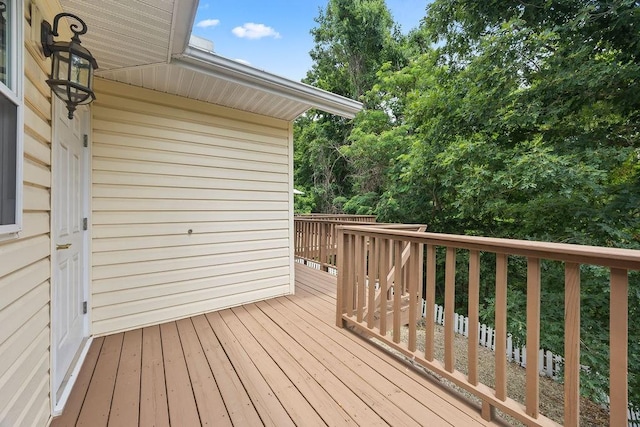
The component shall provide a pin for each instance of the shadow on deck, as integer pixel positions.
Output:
(278, 362)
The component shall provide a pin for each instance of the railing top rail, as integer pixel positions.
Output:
(373, 217)
(610, 257)
(332, 221)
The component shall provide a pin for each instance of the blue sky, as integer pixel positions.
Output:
(273, 35)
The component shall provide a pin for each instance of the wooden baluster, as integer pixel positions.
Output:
(501, 326)
(533, 336)
(323, 246)
(384, 285)
(333, 244)
(474, 303)
(449, 309)
(360, 276)
(397, 290)
(314, 241)
(413, 294)
(430, 300)
(342, 277)
(374, 253)
(351, 274)
(618, 324)
(572, 344)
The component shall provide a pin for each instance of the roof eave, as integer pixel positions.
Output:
(230, 70)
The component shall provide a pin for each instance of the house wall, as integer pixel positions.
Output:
(25, 261)
(163, 165)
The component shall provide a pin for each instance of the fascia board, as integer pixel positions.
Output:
(234, 71)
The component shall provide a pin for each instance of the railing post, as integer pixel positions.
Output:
(474, 304)
(501, 326)
(572, 344)
(618, 336)
(533, 336)
(340, 291)
(449, 308)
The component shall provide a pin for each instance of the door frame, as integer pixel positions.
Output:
(83, 113)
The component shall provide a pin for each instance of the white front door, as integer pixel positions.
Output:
(69, 259)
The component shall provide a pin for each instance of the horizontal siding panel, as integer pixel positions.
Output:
(130, 269)
(129, 98)
(138, 192)
(117, 324)
(34, 224)
(168, 229)
(152, 168)
(37, 394)
(172, 181)
(37, 150)
(17, 314)
(16, 254)
(244, 239)
(22, 281)
(206, 145)
(194, 113)
(174, 253)
(127, 308)
(39, 127)
(186, 218)
(146, 292)
(37, 72)
(35, 198)
(115, 284)
(18, 388)
(156, 128)
(140, 205)
(37, 100)
(210, 161)
(16, 345)
(37, 174)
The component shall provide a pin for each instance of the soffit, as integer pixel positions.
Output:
(178, 80)
(133, 32)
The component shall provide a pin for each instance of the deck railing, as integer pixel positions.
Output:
(369, 282)
(316, 236)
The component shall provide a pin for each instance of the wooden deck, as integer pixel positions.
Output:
(279, 362)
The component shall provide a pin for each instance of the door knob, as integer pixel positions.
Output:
(65, 246)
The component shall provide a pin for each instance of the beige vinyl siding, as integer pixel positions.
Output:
(163, 165)
(25, 268)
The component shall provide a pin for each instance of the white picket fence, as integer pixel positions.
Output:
(634, 418)
(549, 364)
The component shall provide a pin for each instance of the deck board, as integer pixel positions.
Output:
(154, 409)
(97, 402)
(277, 362)
(125, 407)
(182, 402)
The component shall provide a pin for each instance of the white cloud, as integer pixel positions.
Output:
(253, 31)
(208, 23)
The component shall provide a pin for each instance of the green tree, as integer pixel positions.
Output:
(523, 121)
(352, 40)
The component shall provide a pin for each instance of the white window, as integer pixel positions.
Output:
(10, 116)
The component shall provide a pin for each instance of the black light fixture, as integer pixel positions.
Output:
(71, 64)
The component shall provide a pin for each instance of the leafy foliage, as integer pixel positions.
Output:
(497, 118)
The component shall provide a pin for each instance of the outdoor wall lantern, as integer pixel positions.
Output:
(71, 64)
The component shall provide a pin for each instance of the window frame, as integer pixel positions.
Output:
(13, 92)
